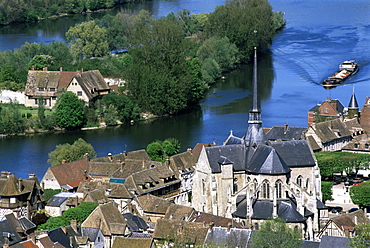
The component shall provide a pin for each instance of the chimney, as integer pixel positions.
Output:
(285, 128)
(63, 161)
(87, 157)
(167, 161)
(122, 165)
(85, 175)
(20, 184)
(125, 153)
(33, 68)
(211, 225)
(60, 69)
(5, 173)
(229, 226)
(31, 175)
(110, 157)
(189, 150)
(45, 69)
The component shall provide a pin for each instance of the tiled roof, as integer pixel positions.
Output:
(70, 172)
(216, 220)
(120, 242)
(110, 190)
(108, 218)
(184, 161)
(92, 82)
(138, 154)
(149, 180)
(154, 204)
(349, 221)
(187, 232)
(12, 186)
(178, 212)
(360, 144)
(331, 130)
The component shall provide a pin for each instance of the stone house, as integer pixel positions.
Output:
(365, 115)
(327, 110)
(252, 179)
(58, 203)
(67, 176)
(23, 197)
(86, 85)
(109, 220)
(151, 207)
(344, 225)
(329, 135)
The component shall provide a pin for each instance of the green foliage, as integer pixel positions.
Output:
(275, 233)
(70, 152)
(48, 193)
(238, 19)
(110, 115)
(198, 85)
(327, 191)
(337, 162)
(88, 40)
(69, 111)
(362, 239)
(40, 61)
(360, 194)
(53, 223)
(160, 150)
(81, 212)
(278, 20)
(11, 120)
(125, 108)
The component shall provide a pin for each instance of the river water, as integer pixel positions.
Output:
(319, 35)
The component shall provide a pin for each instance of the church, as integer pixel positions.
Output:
(251, 179)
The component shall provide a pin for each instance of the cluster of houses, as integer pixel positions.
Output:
(211, 195)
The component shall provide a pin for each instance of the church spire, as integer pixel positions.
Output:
(353, 106)
(255, 134)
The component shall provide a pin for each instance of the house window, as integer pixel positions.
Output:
(203, 187)
(266, 189)
(235, 185)
(299, 180)
(255, 185)
(52, 89)
(356, 145)
(79, 93)
(41, 89)
(13, 200)
(278, 189)
(326, 110)
(53, 98)
(366, 146)
(35, 101)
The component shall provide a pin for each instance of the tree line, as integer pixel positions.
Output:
(169, 61)
(21, 11)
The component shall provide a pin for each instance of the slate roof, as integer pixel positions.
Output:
(353, 102)
(56, 201)
(266, 160)
(90, 232)
(70, 172)
(9, 230)
(120, 242)
(313, 144)
(135, 223)
(228, 237)
(286, 133)
(234, 153)
(48, 243)
(347, 221)
(57, 235)
(187, 232)
(332, 241)
(360, 144)
(263, 209)
(295, 153)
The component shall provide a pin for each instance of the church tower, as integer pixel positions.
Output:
(353, 107)
(255, 134)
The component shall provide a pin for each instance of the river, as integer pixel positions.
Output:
(319, 35)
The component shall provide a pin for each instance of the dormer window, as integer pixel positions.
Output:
(367, 146)
(356, 145)
(52, 89)
(41, 88)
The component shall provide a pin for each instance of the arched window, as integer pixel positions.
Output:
(299, 180)
(203, 187)
(255, 185)
(266, 189)
(278, 186)
(307, 183)
(235, 185)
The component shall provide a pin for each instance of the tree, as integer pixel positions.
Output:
(360, 194)
(54, 222)
(362, 239)
(125, 108)
(69, 111)
(40, 61)
(68, 153)
(81, 212)
(41, 110)
(275, 233)
(327, 191)
(238, 19)
(160, 150)
(88, 40)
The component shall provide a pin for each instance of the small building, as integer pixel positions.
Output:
(67, 175)
(58, 203)
(328, 110)
(23, 197)
(87, 85)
